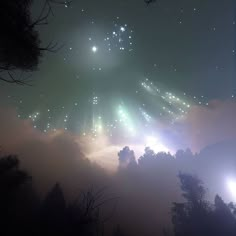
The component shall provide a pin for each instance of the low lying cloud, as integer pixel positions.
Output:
(52, 157)
(145, 191)
(208, 125)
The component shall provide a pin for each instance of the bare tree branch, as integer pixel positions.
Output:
(11, 60)
(10, 78)
(149, 1)
(42, 18)
(52, 47)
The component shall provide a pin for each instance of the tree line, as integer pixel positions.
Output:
(23, 212)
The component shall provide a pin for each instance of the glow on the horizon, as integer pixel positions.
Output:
(231, 183)
(155, 144)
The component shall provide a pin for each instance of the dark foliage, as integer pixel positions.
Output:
(197, 217)
(20, 44)
(17, 199)
(19, 41)
(21, 211)
(149, 1)
(126, 157)
(150, 158)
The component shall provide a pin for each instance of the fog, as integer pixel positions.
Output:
(145, 187)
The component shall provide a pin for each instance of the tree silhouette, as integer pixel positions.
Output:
(21, 211)
(149, 1)
(20, 44)
(192, 188)
(11, 178)
(17, 199)
(224, 218)
(126, 158)
(53, 212)
(196, 216)
(164, 156)
(184, 155)
(118, 232)
(192, 216)
(148, 157)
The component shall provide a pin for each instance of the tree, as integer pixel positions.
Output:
(191, 217)
(17, 198)
(117, 231)
(164, 156)
(21, 211)
(224, 218)
(126, 157)
(192, 188)
(20, 44)
(148, 156)
(184, 155)
(53, 210)
(149, 1)
(197, 217)
(84, 214)
(11, 178)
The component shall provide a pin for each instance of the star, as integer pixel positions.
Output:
(94, 49)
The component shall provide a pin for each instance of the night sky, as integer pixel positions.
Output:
(126, 74)
(125, 68)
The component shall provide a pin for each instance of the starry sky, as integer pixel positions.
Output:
(126, 68)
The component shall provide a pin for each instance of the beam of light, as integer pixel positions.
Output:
(126, 121)
(231, 183)
(97, 115)
(174, 106)
(145, 115)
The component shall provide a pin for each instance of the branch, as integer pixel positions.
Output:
(60, 2)
(149, 1)
(12, 80)
(42, 18)
(51, 47)
(7, 70)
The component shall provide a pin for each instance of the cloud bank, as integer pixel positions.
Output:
(145, 190)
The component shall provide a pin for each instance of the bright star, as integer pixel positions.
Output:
(122, 28)
(94, 49)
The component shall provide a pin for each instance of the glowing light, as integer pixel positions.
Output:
(232, 186)
(94, 49)
(155, 144)
(95, 100)
(122, 29)
(125, 121)
(151, 141)
(99, 128)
